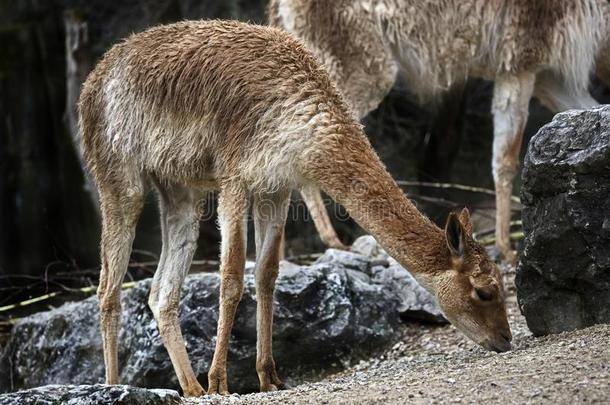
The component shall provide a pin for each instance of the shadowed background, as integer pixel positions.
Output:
(49, 228)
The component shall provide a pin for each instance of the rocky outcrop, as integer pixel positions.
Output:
(91, 395)
(563, 280)
(414, 302)
(344, 307)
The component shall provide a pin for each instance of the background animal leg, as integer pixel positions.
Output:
(554, 95)
(315, 205)
(510, 109)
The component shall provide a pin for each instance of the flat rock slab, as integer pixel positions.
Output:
(343, 308)
(563, 279)
(91, 395)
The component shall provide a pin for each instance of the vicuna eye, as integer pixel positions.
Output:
(484, 295)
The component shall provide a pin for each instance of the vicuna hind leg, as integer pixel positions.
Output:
(510, 109)
(180, 228)
(153, 297)
(269, 220)
(553, 93)
(232, 210)
(120, 203)
(313, 199)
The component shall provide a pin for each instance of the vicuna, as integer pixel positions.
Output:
(246, 110)
(541, 48)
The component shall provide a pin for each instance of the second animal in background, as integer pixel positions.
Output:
(545, 49)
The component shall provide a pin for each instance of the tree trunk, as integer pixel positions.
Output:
(78, 66)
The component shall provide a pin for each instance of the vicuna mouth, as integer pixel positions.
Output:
(499, 345)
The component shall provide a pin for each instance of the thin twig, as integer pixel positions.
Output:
(492, 239)
(146, 253)
(307, 257)
(493, 230)
(434, 200)
(85, 290)
(461, 187)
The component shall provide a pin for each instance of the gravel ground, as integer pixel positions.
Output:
(439, 365)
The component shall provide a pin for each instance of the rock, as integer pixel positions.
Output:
(563, 279)
(416, 303)
(367, 245)
(344, 307)
(91, 395)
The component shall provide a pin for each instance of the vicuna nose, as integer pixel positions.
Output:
(507, 335)
(500, 345)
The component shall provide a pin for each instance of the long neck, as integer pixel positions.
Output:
(345, 166)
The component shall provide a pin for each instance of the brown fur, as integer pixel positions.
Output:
(248, 111)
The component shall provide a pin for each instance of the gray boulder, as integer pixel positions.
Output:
(563, 279)
(342, 308)
(415, 302)
(91, 395)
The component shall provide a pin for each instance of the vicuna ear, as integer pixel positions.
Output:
(455, 235)
(465, 220)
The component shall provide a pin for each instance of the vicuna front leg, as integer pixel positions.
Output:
(510, 109)
(232, 210)
(269, 220)
(180, 227)
(120, 211)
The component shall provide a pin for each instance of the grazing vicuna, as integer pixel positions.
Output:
(247, 110)
(541, 48)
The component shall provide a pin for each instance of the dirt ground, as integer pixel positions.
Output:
(434, 364)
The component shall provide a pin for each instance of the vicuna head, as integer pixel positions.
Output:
(448, 263)
(470, 292)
